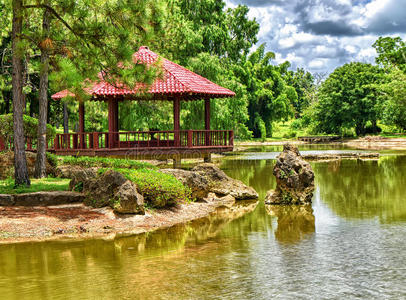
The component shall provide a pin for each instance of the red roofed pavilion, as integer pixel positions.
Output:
(176, 84)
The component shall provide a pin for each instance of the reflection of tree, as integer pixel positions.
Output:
(364, 189)
(52, 265)
(294, 221)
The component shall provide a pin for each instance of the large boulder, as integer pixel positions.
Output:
(81, 177)
(127, 200)
(294, 179)
(197, 183)
(114, 190)
(222, 185)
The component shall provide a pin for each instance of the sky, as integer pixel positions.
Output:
(320, 35)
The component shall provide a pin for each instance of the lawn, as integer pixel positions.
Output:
(37, 185)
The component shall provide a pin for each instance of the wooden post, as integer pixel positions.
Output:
(2, 144)
(190, 138)
(95, 140)
(81, 117)
(81, 125)
(111, 122)
(56, 142)
(231, 138)
(176, 120)
(207, 120)
(115, 120)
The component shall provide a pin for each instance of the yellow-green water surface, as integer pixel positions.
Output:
(350, 245)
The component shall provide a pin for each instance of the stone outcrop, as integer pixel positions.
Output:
(222, 185)
(127, 200)
(338, 156)
(41, 199)
(7, 164)
(198, 184)
(111, 189)
(207, 178)
(294, 179)
(80, 177)
(71, 171)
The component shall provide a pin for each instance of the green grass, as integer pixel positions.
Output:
(104, 162)
(158, 189)
(37, 185)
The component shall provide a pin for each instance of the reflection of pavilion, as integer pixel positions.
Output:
(294, 221)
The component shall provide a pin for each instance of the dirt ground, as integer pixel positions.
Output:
(20, 224)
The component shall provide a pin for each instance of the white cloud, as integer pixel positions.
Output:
(320, 35)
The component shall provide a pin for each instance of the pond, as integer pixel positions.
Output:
(350, 244)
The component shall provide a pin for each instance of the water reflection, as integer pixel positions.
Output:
(246, 252)
(364, 189)
(295, 222)
(51, 269)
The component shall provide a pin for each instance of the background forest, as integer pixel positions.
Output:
(221, 45)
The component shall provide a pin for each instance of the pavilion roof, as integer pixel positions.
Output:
(176, 81)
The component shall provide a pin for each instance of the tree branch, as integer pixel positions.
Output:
(55, 13)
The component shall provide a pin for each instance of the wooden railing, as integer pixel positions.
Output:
(144, 139)
(29, 144)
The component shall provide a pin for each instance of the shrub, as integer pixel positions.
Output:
(105, 162)
(159, 189)
(30, 128)
(52, 159)
(290, 134)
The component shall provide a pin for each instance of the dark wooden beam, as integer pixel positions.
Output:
(116, 121)
(176, 120)
(207, 120)
(81, 117)
(81, 124)
(111, 114)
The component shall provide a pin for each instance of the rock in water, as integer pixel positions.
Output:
(294, 179)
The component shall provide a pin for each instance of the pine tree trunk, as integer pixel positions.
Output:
(20, 161)
(40, 163)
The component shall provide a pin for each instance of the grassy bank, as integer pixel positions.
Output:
(37, 185)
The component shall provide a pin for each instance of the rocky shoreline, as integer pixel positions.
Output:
(77, 221)
(35, 217)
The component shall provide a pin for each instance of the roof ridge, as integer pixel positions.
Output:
(149, 51)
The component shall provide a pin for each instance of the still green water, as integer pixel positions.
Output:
(350, 244)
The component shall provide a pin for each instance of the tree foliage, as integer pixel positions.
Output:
(347, 99)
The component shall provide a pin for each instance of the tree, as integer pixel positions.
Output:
(348, 99)
(392, 56)
(393, 96)
(20, 162)
(90, 37)
(270, 98)
(304, 84)
(391, 52)
(40, 163)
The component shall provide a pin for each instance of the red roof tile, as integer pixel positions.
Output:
(176, 80)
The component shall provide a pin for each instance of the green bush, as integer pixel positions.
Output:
(159, 189)
(52, 159)
(30, 128)
(290, 134)
(105, 162)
